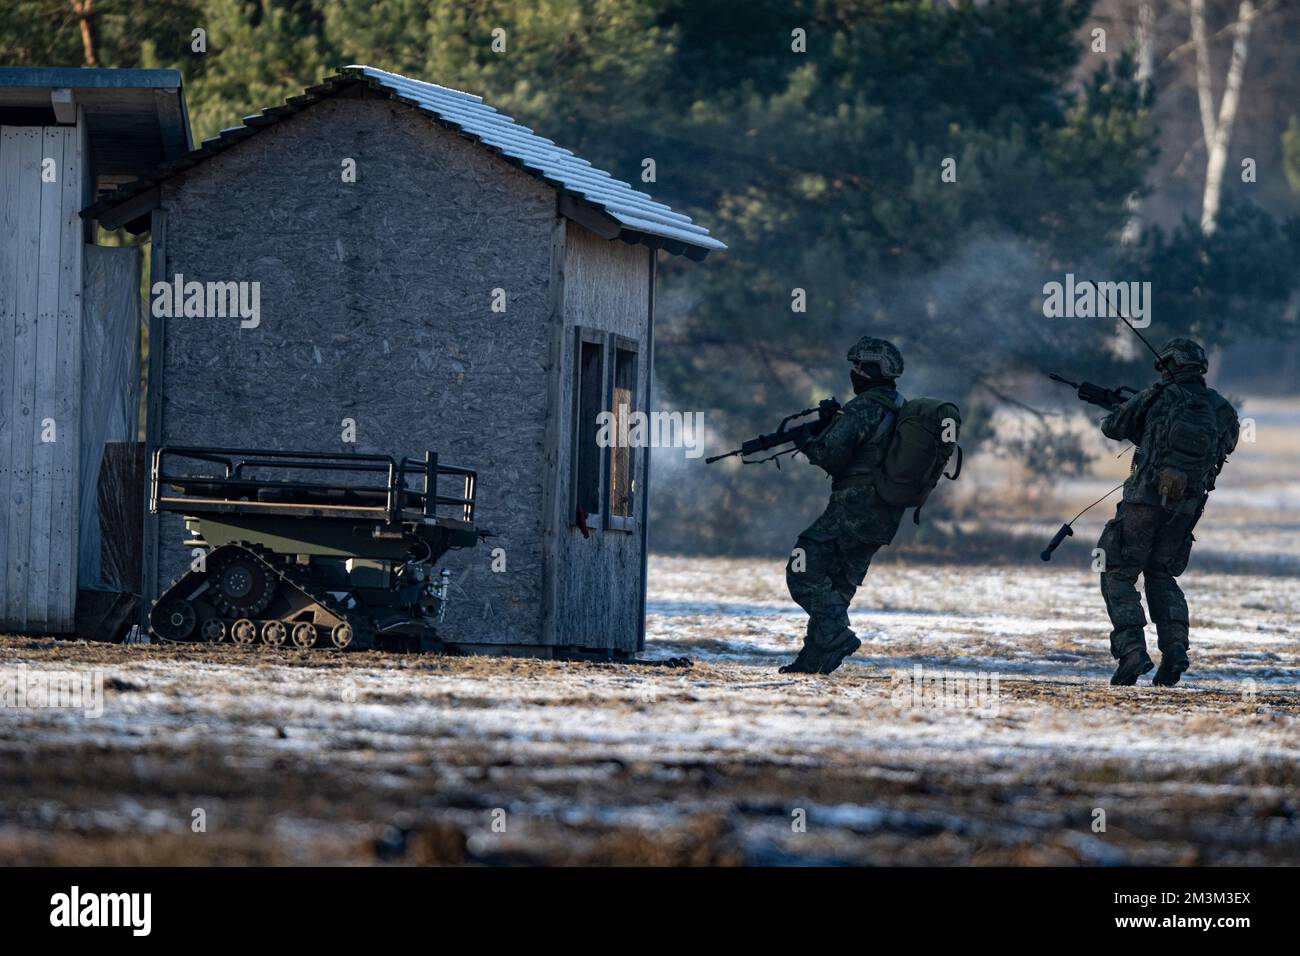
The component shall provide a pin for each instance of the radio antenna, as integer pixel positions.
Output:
(1159, 361)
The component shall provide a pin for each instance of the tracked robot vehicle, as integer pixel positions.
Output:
(311, 550)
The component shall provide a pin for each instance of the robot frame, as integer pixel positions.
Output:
(311, 549)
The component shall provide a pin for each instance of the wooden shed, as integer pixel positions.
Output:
(427, 275)
(69, 320)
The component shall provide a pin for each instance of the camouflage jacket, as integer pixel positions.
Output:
(853, 444)
(1129, 423)
(850, 451)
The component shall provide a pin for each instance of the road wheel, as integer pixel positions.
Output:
(274, 633)
(175, 620)
(304, 635)
(243, 631)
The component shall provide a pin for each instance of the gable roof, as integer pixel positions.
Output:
(591, 196)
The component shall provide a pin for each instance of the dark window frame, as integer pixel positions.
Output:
(617, 344)
(585, 336)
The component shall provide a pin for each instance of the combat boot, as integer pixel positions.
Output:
(1131, 666)
(844, 645)
(813, 659)
(804, 663)
(1173, 661)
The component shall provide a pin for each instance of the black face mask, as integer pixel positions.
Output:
(861, 383)
(1182, 373)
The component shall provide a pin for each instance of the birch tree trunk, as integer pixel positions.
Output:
(1218, 130)
(1146, 67)
(1146, 56)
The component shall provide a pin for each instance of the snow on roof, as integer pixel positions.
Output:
(558, 166)
(637, 216)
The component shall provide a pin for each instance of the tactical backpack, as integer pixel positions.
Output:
(1184, 452)
(917, 451)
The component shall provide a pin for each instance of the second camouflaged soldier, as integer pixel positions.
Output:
(831, 557)
(1184, 431)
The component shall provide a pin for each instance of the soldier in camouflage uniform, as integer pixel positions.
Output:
(1151, 533)
(831, 557)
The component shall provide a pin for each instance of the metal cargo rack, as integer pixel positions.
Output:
(253, 482)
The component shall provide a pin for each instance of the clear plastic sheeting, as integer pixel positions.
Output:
(110, 382)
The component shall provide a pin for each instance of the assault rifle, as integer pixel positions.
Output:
(1108, 398)
(797, 435)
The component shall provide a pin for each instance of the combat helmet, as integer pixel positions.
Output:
(870, 350)
(1181, 353)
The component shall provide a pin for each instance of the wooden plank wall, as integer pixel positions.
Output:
(597, 590)
(14, 147)
(40, 375)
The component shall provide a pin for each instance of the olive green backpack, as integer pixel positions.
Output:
(917, 450)
(1184, 443)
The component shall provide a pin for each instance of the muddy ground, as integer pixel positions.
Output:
(362, 758)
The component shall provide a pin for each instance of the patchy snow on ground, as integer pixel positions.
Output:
(1033, 620)
(974, 726)
(216, 754)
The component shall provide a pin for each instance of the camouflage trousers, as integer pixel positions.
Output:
(831, 558)
(1156, 543)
